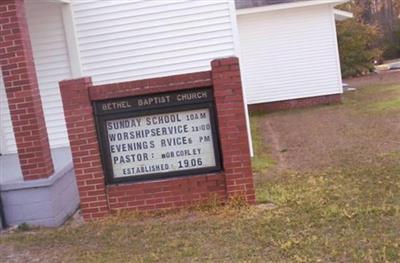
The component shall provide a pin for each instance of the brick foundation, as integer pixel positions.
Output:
(22, 91)
(296, 103)
(99, 199)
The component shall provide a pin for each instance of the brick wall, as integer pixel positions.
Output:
(85, 148)
(232, 128)
(99, 199)
(22, 91)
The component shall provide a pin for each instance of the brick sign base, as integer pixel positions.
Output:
(99, 199)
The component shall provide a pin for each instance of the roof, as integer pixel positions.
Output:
(241, 4)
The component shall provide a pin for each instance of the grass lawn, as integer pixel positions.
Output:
(329, 179)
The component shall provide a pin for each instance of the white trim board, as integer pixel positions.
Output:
(60, 1)
(72, 40)
(337, 55)
(341, 15)
(236, 39)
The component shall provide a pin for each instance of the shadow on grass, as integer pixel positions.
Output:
(261, 160)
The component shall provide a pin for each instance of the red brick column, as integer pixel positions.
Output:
(84, 145)
(19, 74)
(232, 128)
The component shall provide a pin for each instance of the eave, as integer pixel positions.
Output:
(276, 7)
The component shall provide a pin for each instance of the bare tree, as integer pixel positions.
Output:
(384, 15)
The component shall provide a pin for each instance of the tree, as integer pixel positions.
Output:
(357, 47)
(384, 15)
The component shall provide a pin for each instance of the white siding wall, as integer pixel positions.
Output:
(129, 40)
(289, 54)
(52, 63)
(7, 139)
(120, 41)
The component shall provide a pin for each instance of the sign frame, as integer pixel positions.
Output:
(101, 119)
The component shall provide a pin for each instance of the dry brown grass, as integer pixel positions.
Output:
(332, 174)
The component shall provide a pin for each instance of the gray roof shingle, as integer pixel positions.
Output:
(241, 4)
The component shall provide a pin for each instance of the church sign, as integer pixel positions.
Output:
(160, 143)
(158, 136)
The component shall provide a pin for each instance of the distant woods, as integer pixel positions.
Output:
(373, 34)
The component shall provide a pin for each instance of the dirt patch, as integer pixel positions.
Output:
(11, 254)
(353, 134)
(382, 78)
